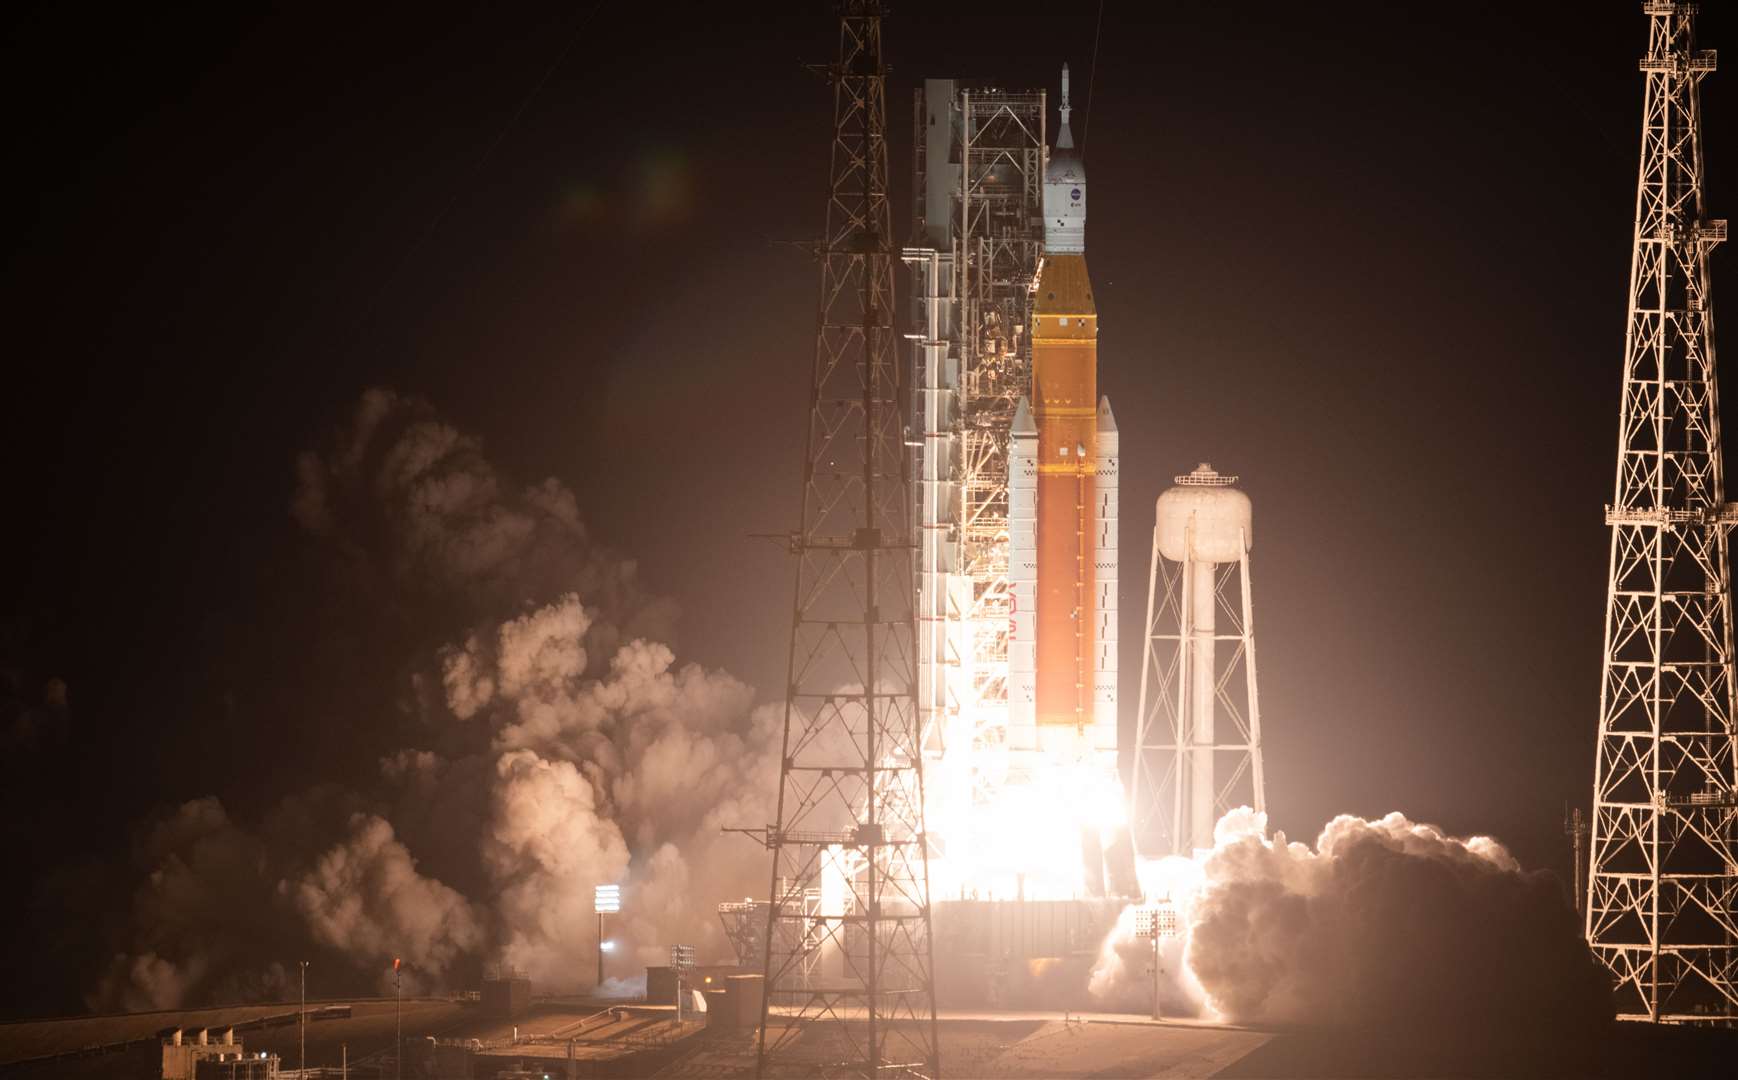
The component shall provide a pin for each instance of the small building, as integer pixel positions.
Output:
(661, 985)
(713, 976)
(237, 1066)
(743, 994)
(506, 993)
(202, 1054)
(661, 980)
(184, 1048)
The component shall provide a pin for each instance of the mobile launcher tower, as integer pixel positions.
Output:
(1015, 457)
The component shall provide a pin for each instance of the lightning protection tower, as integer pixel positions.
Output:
(849, 971)
(1662, 891)
(1198, 751)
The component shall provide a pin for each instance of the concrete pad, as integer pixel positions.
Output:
(1133, 1049)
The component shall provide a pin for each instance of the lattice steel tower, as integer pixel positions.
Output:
(1662, 893)
(849, 971)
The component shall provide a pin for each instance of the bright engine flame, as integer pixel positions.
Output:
(1024, 836)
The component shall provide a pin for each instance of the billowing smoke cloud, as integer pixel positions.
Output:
(407, 497)
(365, 898)
(549, 847)
(205, 902)
(563, 747)
(1388, 922)
(1122, 977)
(650, 760)
(1383, 923)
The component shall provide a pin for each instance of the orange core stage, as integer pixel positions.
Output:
(1065, 410)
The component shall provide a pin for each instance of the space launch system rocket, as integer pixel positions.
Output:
(1062, 499)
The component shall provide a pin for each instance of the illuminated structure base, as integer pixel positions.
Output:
(1013, 954)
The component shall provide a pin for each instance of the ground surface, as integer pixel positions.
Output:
(369, 1027)
(1095, 1048)
(1028, 1044)
(1628, 1051)
(1018, 1046)
(367, 1033)
(1014, 1045)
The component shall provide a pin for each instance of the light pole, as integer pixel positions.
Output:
(605, 900)
(302, 1021)
(682, 959)
(397, 1018)
(1158, 972)
(1157, 921)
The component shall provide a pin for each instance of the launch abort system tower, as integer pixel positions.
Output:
(1662, 889)
(849, 985)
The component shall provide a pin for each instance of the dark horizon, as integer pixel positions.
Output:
(1376, 267)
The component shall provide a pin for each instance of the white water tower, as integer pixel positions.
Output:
(1198, 746)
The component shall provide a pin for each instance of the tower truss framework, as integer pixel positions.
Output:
(849, 972)
(1662, 889)
(978, 179)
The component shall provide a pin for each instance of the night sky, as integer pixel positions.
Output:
(1373, 260)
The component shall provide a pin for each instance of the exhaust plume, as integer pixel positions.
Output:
(1387, 923)
(561, 746)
